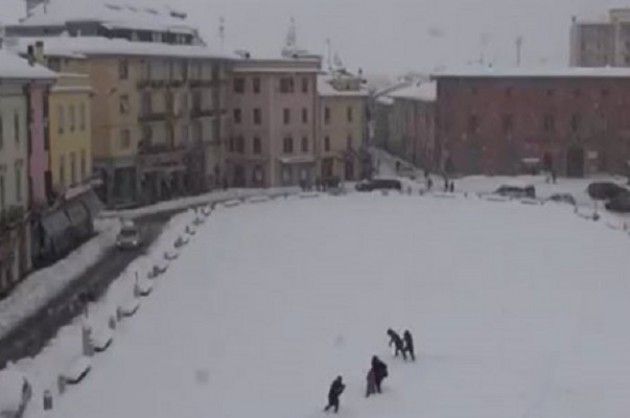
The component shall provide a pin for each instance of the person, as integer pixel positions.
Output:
(395, 339)
(371, 383)
(380, 372)
(554, 177)
(452, 187)
(409, 345)
(445, 184)
(429, 183)
(336, 388)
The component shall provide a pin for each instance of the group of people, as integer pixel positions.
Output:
(378, 370)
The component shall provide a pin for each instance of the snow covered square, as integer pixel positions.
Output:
(517, 311)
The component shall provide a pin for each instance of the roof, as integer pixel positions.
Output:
(563, 72)
(81, 46)
(14, 67)
(140, 14)
(426, 92)
(326, 89)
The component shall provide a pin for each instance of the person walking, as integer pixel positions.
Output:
(371, 383)
(409, 345)
(336, 389)
(395, 339)
(380, 372)
(452, 187)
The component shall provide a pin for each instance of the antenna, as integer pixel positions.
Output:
(222, 31)
(519, 50)
(328, 53)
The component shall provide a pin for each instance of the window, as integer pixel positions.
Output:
(256, 85)
(196, 100)
(257, 146)
(147, 136)
(83, 166)
(1, 133)
(549, 124)
(473, 124)
(82, 116)
(508, 123)
(73, 168)
(240, 145)
(124, 103)
(2, 193)
(305, 84)
(304, 115)
(237, 116)
(257, 116)
(304, 144)
(287, 116)
(287, 145)
(327, 115)
(123, 69)
(18, 181)
(349, 142)
(125, 139)
(575, 122)
(286, 85)
(239, 85)
(16, 127)
(62, 171)
(350, 114)
(72, 121)
(327, 143)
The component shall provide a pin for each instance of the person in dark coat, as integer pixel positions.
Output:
(409, 345)
(395, 339)
(380, 372)
(451, 188)
(336, 388)
(371, 384)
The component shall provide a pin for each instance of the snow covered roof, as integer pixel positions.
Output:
(139, 14)
(81, 46)
(325, 88)
(426, 92)
(564, 72)
(14, 67)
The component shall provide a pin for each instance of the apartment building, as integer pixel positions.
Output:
(273, 124)
(21, 122)
(601, 43)
(343, 113)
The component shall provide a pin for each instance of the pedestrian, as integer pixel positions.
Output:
(380, 372)
(446, 184)
(336, 388)
(409, 345)
(554, 177)
(371, 383)
(452, 187)
(429, 183)
(395, 339)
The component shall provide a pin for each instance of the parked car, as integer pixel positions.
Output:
(378, 184)
(563, 198)
(605, 190)
(517, 191)
(129, 237)
(621, 203)
(15, 394)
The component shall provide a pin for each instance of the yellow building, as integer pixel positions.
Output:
(70, 131)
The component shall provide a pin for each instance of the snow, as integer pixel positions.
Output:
(42, 286)
(477, 71)
(79, 367)
(15, 67)
(326, 89)
(423, 91)
(11, 384)
(517, 310)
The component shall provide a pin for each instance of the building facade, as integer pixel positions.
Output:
(571, 121)
(343, 136)
(273, 122)
(600, 44)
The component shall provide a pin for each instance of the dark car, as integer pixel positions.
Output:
(378, 184)
(605, 190)
(621, 203)
(517, 192)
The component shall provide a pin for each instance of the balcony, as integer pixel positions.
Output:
(196, 113)
(152, 116)
(202, 83)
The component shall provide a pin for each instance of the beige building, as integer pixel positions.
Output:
(601, 43)
(273, 121)
(343, 126)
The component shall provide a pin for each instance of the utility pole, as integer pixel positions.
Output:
(519, 50)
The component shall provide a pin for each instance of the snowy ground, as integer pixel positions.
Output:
(517, 310)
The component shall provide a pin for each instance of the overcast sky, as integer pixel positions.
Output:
(394, 36)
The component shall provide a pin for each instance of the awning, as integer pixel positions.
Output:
(297, 160)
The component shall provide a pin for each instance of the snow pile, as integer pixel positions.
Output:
(517, 310)
(42, 286)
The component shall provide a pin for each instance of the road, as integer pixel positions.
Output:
(32, 334)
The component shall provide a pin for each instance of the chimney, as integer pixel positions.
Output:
(38, 53)
(30, 55)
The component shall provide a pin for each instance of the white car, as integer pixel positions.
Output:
(129, 237)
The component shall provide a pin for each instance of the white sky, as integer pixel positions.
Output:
(393, 36)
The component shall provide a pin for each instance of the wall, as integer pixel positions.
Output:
(38, 147)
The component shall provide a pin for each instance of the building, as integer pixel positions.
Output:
(343, 119)
(22, 84)
(273, 128)
(601, 43)
(572, 120)
(158, 91)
